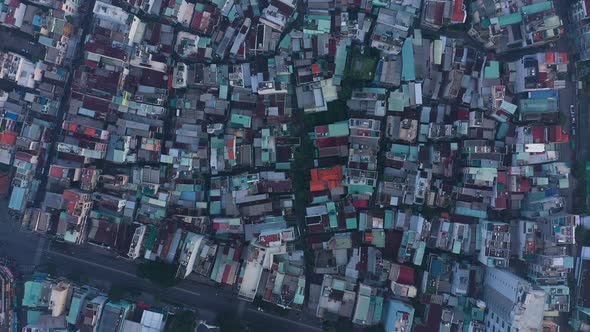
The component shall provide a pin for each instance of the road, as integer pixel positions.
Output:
(19, 42)
(103, 270)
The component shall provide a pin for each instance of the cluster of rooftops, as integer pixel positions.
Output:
(220, 136)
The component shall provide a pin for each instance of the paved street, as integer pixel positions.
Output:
(27, 249)
(21, 43)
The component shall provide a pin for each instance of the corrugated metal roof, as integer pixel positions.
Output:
(17, 198)
(510, 19)
(408, 64)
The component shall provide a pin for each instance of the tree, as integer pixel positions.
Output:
(159, 273)
(229, 322)
(185, 320)
(118, 292)
(49, 268)
(579, 170)
(374, 328)
(338, 326)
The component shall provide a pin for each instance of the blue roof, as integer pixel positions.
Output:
(543, 94)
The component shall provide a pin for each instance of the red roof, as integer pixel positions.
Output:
(502, 178)
(230, 149)
(564, 58)
(501, 203)
(106, 50)
(196, 23)
(327, 142)
(406, 275)
(459, 14)
(70, 195)
(360, 203)
(315, 68)
(525, 186)
(237, 254)
(8, 137)
(24, 156)
(90, 63)
(556, 135)
(539, 134)
(226, 272)
(462, 114)
(321, 129)
(332, 47)
(550, 57)
(56, 171)
(266, 239)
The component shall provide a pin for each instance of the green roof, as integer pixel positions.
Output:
(510, 19)
(285, 42)
(471, 213)
(419, 254)
(492, 70)
(223, 91)
(508, 106)
(377, 313)
(283, 166)
(17, 198)
(338, 284)
(359, 188)
(340, 61)
(362, 221)
(32, 295)
(378, 238)
(388, 219)
(351, 223)
(324, 25)
(338, 129)
(477, 314)
(300, 295)
(362, 308)
(75, 307)
(242, 120)
(343, 242)
(203, 42)
(33, 317)
(396, 101)
(552, 22)
(502, 130)
(538, 106)
(151, 238)
(408, 63)
(537, 8)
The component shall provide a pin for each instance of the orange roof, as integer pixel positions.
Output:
(327, 174)
(324, 178)
(230, 149)
(316, 186)
(550, 57)
(90, 131)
